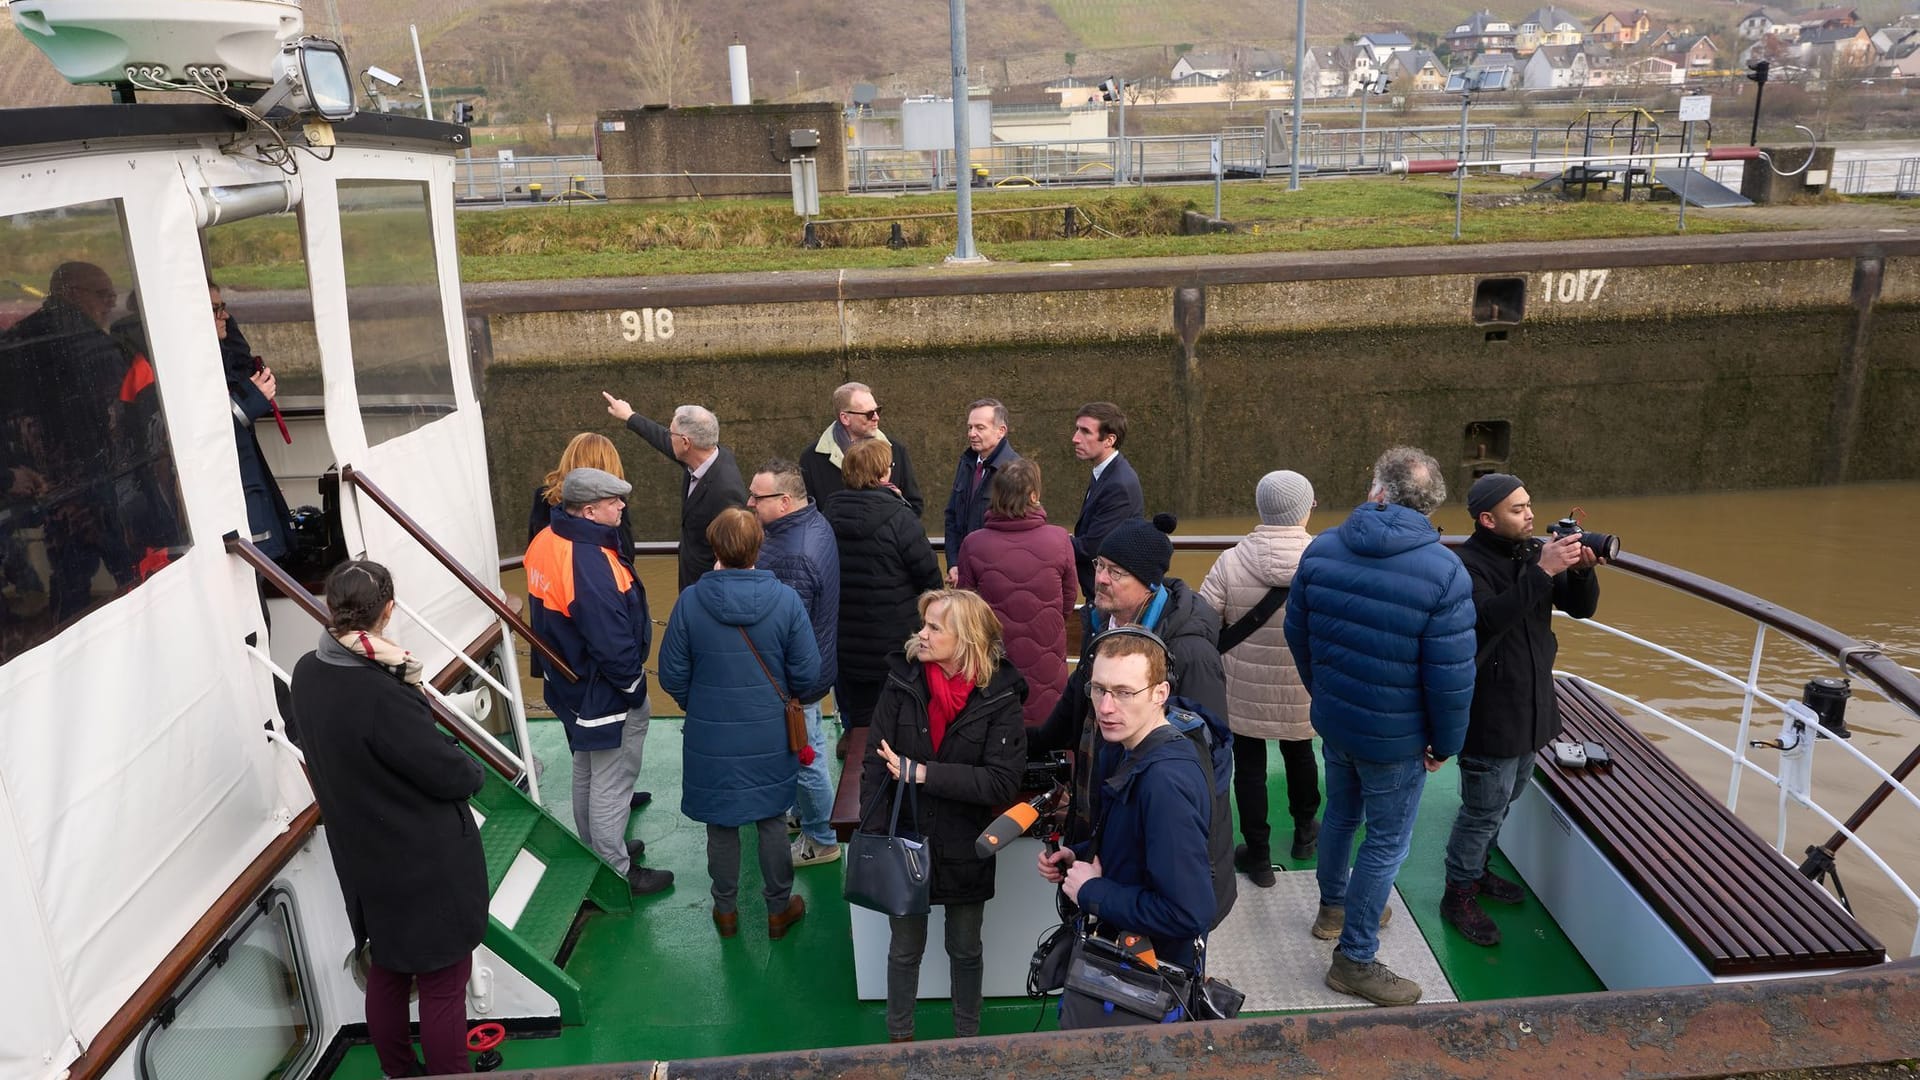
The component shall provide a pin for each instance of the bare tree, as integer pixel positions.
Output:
(664, 41)
(1238, 80)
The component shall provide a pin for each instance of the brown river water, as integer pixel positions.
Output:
(1834, 555)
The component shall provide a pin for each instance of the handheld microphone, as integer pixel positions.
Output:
(1009, 826)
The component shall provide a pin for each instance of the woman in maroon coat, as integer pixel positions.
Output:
(1024, 568)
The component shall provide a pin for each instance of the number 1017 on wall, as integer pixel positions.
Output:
(1570, 286)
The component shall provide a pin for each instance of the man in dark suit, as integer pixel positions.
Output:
(1113, 496)
(711, 480)
(987, 452)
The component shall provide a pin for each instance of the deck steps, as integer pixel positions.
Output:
(539, 875)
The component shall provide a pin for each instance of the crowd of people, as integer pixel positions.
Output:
(814, 574)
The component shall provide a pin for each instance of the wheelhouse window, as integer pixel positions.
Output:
(398, 326)
(89, 496)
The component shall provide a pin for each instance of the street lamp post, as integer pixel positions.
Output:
(1299, 94)
(963, 249)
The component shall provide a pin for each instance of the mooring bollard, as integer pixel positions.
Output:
(1071, 226)
(896, 239)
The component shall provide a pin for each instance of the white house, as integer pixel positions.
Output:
(1556, 67)
(1762, 21)
(1651, 71)
(1254, 63)
(1382, 45)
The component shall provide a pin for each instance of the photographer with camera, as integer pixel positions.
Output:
(1518, 580)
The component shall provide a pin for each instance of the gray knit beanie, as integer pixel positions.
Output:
(1284, 497)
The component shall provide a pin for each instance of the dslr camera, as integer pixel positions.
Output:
(1605, 545)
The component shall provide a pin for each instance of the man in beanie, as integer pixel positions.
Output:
(589, 606)
(1380, 623)
(1247, 586)
(1131, 588)
(1517, 582)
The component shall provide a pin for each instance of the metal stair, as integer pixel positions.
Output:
(539, 875)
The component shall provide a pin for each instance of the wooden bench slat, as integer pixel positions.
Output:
(1742, 907)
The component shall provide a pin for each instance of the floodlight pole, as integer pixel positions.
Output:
(1299, 93)
(1460, 178)
(963, 249)
(426, 95)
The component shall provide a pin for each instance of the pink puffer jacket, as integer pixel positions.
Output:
(1265, 699)
(1023, 568)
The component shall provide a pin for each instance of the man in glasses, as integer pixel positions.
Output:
(856, 417)
(1380, 623)
(710, 480)
(801, 552)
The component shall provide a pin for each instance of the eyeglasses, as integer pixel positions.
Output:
(1119, 694)
(219, 310)
(672, 434)
(871, 414)
(755, 496)
(1111, 569)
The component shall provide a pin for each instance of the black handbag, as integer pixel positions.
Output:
(889, 872)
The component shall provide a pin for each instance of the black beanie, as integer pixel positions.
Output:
(1142, 548)
(1490, 491)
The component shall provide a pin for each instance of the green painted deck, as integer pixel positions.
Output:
(660, 984)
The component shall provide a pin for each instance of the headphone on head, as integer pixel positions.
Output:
(1129, 630)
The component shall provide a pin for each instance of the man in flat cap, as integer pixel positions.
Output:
(589, 606)
(1517, 582)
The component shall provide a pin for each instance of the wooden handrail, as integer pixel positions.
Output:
(120, 1029)
(553, 661)
(462, 729)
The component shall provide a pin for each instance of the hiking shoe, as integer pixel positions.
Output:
(1331, 920)
(645, 881)
(777, 925)
(808, 853)
(1374, 981)
(1260, 871)
(1306, 840)
(1495, 887)
(1459, 908)
(636, 848)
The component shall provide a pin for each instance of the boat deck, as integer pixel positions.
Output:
(659, 984)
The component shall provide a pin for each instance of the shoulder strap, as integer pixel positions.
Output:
(777, 688)
(1245, 625)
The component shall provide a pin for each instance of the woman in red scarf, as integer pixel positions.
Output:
(948, 717)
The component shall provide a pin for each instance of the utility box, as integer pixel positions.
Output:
(661, 153)
(1760, 183)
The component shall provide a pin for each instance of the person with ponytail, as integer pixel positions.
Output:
(392, 790)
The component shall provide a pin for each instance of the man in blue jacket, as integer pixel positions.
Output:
(1380, 623)
(800, 551)
(589, 606)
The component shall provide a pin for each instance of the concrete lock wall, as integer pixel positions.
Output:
(1589, 378)
(660, 153)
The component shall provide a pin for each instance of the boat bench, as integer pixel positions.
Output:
(846, 796)
(1736, 902)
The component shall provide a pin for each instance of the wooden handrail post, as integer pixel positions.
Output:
(553, 661)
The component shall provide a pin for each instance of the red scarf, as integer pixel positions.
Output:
(946, 696)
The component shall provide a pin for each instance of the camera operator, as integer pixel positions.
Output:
(1517, 582)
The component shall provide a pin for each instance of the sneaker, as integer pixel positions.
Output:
(1374, 981)
(1495, 887)
(808, 853)
(1459, 908)
(793, 823)
(636, 848)
(645, 881)
(1331, 920)
(1259, 871)
(1306, 840)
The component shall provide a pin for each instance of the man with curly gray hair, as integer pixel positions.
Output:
(1380, 624)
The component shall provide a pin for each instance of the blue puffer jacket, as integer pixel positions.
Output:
(589, 606)
(1380, 623)
(801, 551)
(1155, 878)
(737, 768)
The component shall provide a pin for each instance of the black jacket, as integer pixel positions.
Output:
(967, 503)
(393, 791)
(1109, 501)
(1514, 712)
(823, 476)
(267, 513)
(971, 779)
(885, 564)
(720, 488)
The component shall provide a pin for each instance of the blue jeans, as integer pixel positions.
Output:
(813, 798)
(1385, 795)
(1488, 786)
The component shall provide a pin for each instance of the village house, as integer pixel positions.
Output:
(1555, 67)
(1253, 63)
(1482, 32)
(1831, 18)
(1839, 50)
(1379, 46)
(1900, 59)
(1415, 71)
(1698, 49)
(1762, 21)
(1547, 26)
(1650, 71)
(1620, 28)
(1333, 70)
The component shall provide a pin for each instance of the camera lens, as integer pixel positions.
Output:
(1605, 545)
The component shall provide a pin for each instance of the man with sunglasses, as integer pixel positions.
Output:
(856, 417)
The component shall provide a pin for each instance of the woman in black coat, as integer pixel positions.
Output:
(393, 792)
(949, 714)
(885, 564)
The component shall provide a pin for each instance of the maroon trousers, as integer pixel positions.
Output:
(443, 1018)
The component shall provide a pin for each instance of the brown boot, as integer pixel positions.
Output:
(777, 924)
(727, 922)
(1461, 908)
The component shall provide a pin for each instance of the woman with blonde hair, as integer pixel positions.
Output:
(587, 450)
(948, 720)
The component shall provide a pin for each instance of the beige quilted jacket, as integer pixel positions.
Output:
(1265, 699)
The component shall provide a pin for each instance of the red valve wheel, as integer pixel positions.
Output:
(485, 1037)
